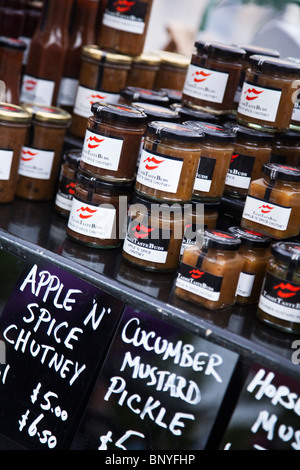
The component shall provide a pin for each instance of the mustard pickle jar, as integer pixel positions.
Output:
(14, 123)
(168, 162)
(112, 142)
(255, 251)
(286, 148)
(98, 212)
(213, 77)
(154, 235)
(272, 206)
(252, 149)
(42, 152)
(208, 276)
(67, 181)
(102, 76)
(124, 26)
(279, 303)
(266, 100)
(143, 71)
(217, 150)
(130, 94)
(172, 70)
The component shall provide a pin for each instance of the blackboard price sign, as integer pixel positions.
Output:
(160, 389)
(267, 414)
(57, 329)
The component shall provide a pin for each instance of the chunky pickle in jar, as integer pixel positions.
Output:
(279, 303)
(272, 206)
(255, 251)
(168, 162)
(98, 213)
(202, 217)
(266, 100)
(251, 150)
(286, 148)
(208, 276)
(67, 181)
(217, 149)
(112, 142)
(154, 235)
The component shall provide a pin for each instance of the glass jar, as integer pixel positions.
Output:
(252, 149)
(42, 153)
(217, 150)
(208, 276)
(267, 96)
(279, 303)
(14, 122)
(154, 235)
(295, 119)
(172, 70)
(272, 206)
(213, 76)
(143, 71)
(98, 212)
(255, 251)
(249, 51)
(11, 58)
(130, 94)
(124, 26)
(168, 163)
(112, 142)
(67, 181)
(102, 76)
(286, 148)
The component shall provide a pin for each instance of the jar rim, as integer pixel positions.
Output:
(273, 64)
(197, 114)
(258, 50)
(250, 237)
(282, 172)
(119, 112)
(220, 48)
(156, 112)
(12, 43)
(94, 52)
(13, 113)
(165, 129)
(51, 114)
(287, 251)
(144, 95)
(212, 131)
(220, 239)
(249, 133)
(96, 183)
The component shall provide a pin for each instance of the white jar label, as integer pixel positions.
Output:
(266, 213)
(6, 158)
(281, 299)
(296, 113)
(126, 16)
(199, 282)
(245, 285)
(205, 84)
(67, 91)
(259, 103)
(159, 171)
(101, 152)
(36, 163)
(240, 171)
(85, 97)
(205, 174)
(92, 221)
(37, 90)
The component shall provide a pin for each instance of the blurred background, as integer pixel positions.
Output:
(175, 24)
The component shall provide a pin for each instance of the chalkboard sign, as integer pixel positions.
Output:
(160, 389)
(56, 329)
(267, 414)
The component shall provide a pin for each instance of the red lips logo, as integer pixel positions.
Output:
(89, 211)
(141, 231)
(252, 94)
(30, 84)
(70, 188)
(201, 74)
(290, 291)
(93, 98)
(152, 160)
(266, 209)
(222, 235)
(234, 157)
(28, 152)
(122, 6)
(196, 274)
(94, 139)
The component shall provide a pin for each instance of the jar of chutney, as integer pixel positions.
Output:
(286, 148)
(279, 303)
(143, 71)
(67, 181)
(172, 70)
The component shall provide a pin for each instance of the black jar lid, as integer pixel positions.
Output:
(170, 207)
(258, 50)
(174, 131)
(287, 251)
(175, 96)
(73, 156)
(118, 112)
(250, 238)
(145, 95)
(12, 43)
(225, 50)
(221, 240)
(281, 172)
(274, 64)
(196, 115)
(288, 136)
(212, 131)
(208, 206)
(249, 133)
(98, 184)
(155, 112)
